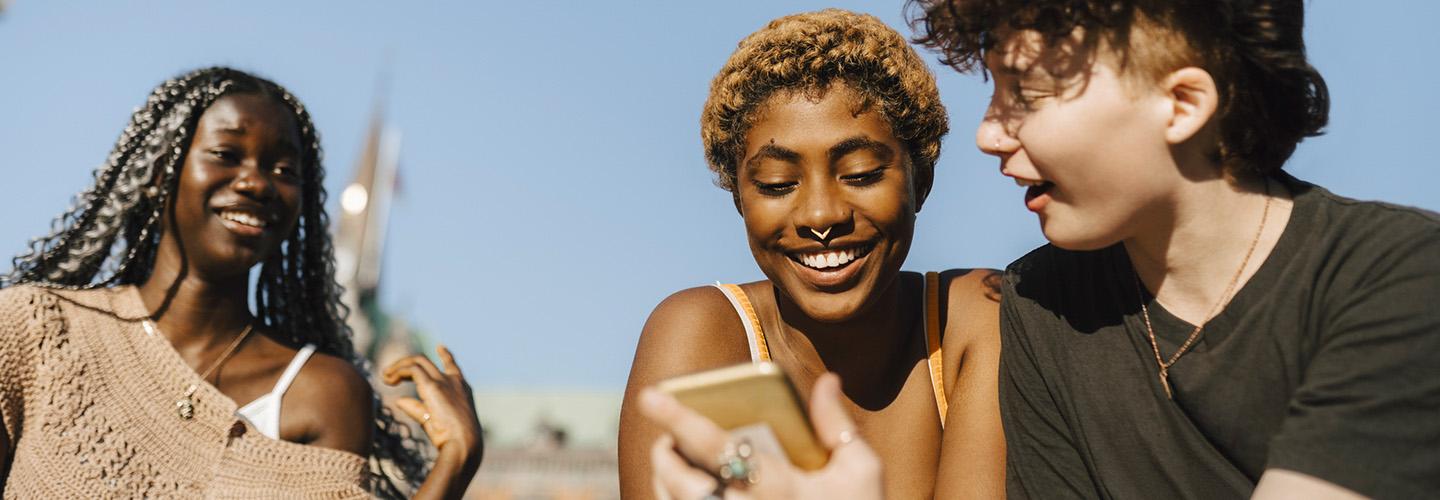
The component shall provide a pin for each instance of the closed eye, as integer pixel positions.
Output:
(865, 178)
(775, 188)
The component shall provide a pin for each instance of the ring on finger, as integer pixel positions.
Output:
(425, 419)
(736, 466)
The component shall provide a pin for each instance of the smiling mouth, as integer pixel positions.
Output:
(244, 222)
(831, 260)
(1036, 190)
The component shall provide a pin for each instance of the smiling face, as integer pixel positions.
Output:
(828, 201)
(240, 186)
(1086, 141)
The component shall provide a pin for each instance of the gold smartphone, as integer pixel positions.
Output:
(754, 401)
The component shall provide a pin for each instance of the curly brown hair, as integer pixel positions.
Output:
(809, 52)
(1270, 96)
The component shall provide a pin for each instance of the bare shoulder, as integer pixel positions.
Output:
(702, 306)
(972, 454)
(970, 284)
(330, 404)
(692, 328)
(327, 373)
(972, 314)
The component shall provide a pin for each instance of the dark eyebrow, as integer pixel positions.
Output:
(286, 146)
(776, 152)
(235, 130)
(858, 143)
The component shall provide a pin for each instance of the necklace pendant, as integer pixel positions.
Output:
(185, 407)
(1165, 382)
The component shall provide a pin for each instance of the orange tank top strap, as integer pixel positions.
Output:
(759, 351)
(935, 359)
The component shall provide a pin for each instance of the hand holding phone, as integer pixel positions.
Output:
(686, 456)
(754, 401)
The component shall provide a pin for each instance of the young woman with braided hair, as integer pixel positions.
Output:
(127, 341)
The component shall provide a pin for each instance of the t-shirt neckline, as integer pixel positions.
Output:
(1170, 329)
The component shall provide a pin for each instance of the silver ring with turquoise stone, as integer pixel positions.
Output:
(736, 466)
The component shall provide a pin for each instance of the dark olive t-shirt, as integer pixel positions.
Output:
(1327, 362)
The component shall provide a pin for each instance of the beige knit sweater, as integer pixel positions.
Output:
(88, 405)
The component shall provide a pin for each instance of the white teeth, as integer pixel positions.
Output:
(245, 218)
(828, 259)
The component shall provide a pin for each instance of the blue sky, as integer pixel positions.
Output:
(554, 186)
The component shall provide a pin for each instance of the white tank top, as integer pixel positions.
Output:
(264, 411)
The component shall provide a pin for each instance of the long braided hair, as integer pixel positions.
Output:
(109, 235)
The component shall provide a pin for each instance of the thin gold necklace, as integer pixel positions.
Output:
(1195, 334)
(185, 406)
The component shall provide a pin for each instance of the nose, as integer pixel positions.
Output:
(253, 181)
(822, 214)
(992, 138)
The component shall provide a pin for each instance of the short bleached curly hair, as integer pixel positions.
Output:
(809, 52)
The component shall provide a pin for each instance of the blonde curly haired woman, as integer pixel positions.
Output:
(825, 127)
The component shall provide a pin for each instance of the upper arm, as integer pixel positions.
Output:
(692, 330)
(1041, 457)
(331, 405)
(972, 453)
(1364, 414)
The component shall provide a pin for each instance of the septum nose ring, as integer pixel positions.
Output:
(821, 234)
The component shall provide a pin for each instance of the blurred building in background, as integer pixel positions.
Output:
(539, 445)
(548, 445)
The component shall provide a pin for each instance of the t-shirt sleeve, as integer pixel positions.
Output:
(1041, 459)
(1366, 415)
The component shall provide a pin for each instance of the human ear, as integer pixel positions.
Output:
(1193, 98)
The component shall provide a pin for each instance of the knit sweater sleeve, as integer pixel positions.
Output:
(22, 308)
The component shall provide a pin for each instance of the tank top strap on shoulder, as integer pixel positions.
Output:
(760, 351)
(264, 411)
(754, 334)
(293, 369)
(935, 360)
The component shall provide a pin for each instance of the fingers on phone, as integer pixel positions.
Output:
(832, 423)
(673, 476)
(697, 437)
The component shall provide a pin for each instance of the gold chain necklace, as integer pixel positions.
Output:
(1195, 334)
(185, 406)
